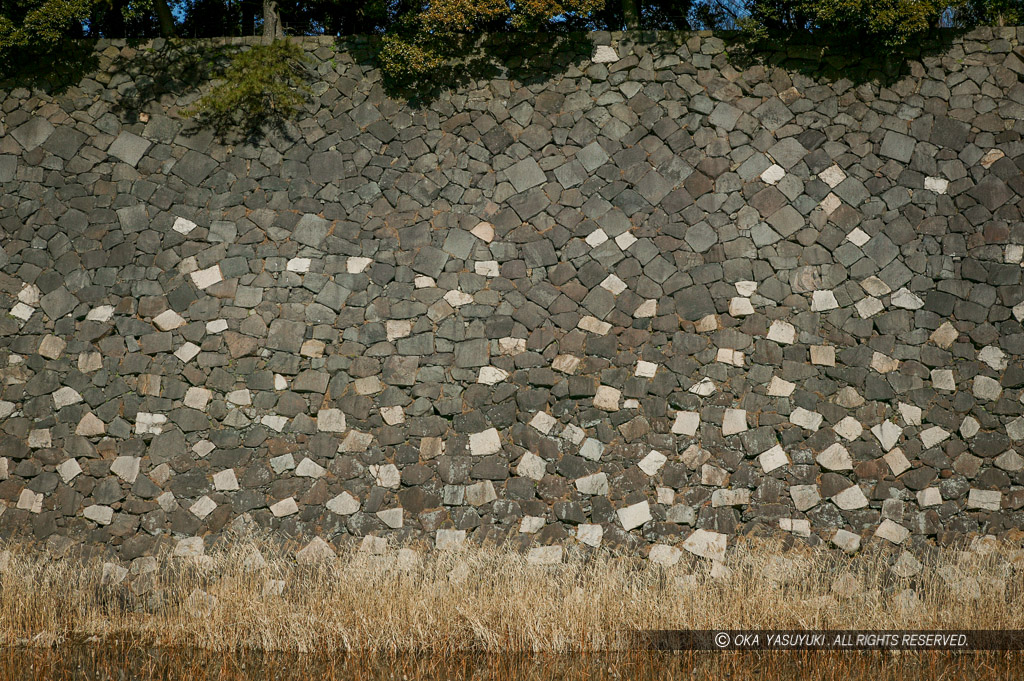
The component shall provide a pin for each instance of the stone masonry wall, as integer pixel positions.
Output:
(651, 294)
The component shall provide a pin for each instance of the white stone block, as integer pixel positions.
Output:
(607, 398)
(805, 497)
(225, 481)
(707, 544)
(204, 279)
(773, 459)
(203, 507)
(652, 463)
(168, 320)
(635, 515)
(543, 422)
(101, 515)
(686, 423)
(485, 443)
(284, 508)
(850, 498)
(849, 428)
(308, 468)
(590, 534)
(531, 466)
(594, 485)
(126, 468)
(806, 419)
(663, 554)
(544, 555)
(734, 421)
(343, 504)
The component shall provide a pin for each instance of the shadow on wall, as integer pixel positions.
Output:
(528, 58)
(831, 58)
(150, 71)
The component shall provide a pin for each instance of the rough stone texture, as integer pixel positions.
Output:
(649, 296)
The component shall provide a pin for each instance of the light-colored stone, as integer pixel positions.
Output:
(773, 174)
(730, 497)
(897, 461)
(930, 496)
(780, 388)
(330, 421)
(101, 515)
(544, 555)
(734, 421)
(315, 552)
(686, 423)
(652, 463)
(30, 501)
(663, 554)
(596, 238)
(945, 335)
(485, 442)
(888, 434)
(204, 279)
(567, 364)
(594, 325)
(832, 176)
(782, 332)
(729, 356)
(846, 540)
(939, 185)
(823, 355)
(126, 468)
(531, 524)
(740, 307)
(149, 424)
(604, 54)
(51, 346)
(773, 459)
(883, 364)
(986, 500)
(392, 415)
(707, 544)
(835, 458)
(969, 427)
(594, 485)
(225, 481)
(607, 398)
(592, 449)
(590, 534)
(103, 313)
(168, 320)
(487, 268)
(203, 507)
(986, 388)
(392, 517)
(906, 299)
(635, 515)
(386, 475)
(911, 414)
(1010, 461)
(490, 375)
(197, 398)
(543, 422)
(343, 504)
(994, 357)
(806, 419)
(933, 436)
(849, 428)
(822, 301)
(892, 531)
(69, 470)
(704, 387)
(613, 284)
(850, 499)
(531, 466)
(90, 426)
(645, 369)
(805, 497)
(646, 309)
(308, 468)
(284, 508)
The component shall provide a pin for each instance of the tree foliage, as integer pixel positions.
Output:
(264, 85)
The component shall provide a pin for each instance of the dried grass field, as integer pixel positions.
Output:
(249, 610)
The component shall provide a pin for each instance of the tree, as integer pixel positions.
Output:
(421, 41)
(864, 24)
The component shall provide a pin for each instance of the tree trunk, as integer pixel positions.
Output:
(163, 14)
(272, 29)
(630, 14)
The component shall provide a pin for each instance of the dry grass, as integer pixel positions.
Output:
(488, 600)
(484, 613)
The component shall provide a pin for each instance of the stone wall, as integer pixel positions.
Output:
(653, 293)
